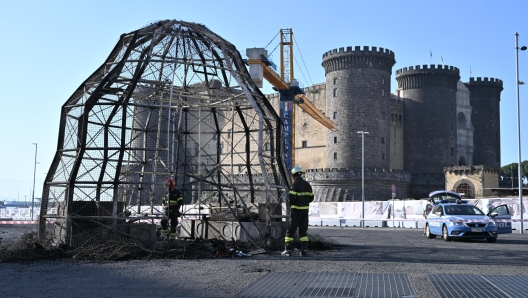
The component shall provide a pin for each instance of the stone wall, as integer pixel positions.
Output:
(478, 178)
(340, 185)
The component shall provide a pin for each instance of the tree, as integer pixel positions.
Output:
(510, 171)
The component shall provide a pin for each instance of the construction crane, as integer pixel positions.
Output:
(288, 87)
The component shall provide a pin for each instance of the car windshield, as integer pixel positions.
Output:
(462, 210)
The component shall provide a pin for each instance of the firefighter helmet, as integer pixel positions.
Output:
(296, 170)
(169, 182)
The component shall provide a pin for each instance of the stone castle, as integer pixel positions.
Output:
(433, 124)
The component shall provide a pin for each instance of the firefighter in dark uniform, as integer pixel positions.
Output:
(300, 196)
(172, 201)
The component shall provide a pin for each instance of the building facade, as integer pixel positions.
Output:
(433, 121)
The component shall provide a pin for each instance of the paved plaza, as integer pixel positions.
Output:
(366, 262)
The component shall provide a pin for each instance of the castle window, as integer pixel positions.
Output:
(392, 116)
(383, 140)
(383, 81)
(267, 146)
(452, 151)
(400, 118)
(335, 81)
(335, 92)
(304, 144)
(229, 132)
(239, 169)
(382, 92)
(335, 155)
(335, 115)
(335, 140)
(451, 126)
(382, 156)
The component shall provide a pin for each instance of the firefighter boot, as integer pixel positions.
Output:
(304, 249)
(287, 250)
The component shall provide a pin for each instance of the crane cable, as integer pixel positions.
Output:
(302, 58)
(269, 54)
(271, 40)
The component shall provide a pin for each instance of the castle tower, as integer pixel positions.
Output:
(358, 99)
(485, 100)
(429, 100)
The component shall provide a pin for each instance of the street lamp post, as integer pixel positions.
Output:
(363, 133)
(34, 173)
(511, 172)
(519, 82)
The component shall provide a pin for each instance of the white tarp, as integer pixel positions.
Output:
(374, 210)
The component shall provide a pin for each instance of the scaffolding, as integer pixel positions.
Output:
(173, 99)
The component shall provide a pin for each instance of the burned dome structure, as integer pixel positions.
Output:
(172, 99)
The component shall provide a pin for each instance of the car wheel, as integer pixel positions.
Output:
(428, 233)
(445, 234)
(492, 240)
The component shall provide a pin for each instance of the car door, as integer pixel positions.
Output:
(499, 214)
(434, 220)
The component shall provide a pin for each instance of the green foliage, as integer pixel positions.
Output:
(510, 171)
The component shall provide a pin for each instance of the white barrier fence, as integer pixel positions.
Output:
(402, 213)
(406, 213)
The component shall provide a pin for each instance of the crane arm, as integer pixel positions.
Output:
(274, 79)
(309, 108)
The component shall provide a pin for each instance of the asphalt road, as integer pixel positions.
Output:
(368, 250)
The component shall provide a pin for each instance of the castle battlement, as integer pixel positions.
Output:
(485, 87)
(469, 169)
(373, 170)
(426, 67)
(486, 81)
(358, 51)
(426, 76)
(368, 57)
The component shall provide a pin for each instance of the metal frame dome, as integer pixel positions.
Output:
(172, 99)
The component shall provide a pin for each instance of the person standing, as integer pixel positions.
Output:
(427, 209)
(300, 196)
(171, 202)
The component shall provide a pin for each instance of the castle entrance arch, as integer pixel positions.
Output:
(466, 190)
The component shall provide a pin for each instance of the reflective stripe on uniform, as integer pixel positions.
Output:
(300, 207)
(173, 201)
(304, 239)
(301, 193)
(288, 239)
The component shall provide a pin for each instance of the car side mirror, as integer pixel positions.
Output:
(494, 214)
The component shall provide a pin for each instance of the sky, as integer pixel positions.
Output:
(50, 47)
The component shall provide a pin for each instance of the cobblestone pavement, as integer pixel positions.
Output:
(368, 250)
